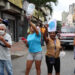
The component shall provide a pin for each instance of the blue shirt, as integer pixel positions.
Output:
(34, 42)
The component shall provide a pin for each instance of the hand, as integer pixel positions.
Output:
(29, 18)
(1, 38)
(1, 20)
(24, 40)
(46, 26)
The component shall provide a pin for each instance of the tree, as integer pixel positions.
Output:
(40, 3)
(49, 7)
(59, 25)
(43, 3)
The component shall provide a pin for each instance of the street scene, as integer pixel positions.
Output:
(37, 37)
(67, 64)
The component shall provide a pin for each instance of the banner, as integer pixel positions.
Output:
(52, 25)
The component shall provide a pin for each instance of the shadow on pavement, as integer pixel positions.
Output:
(15, 57)
(70, 48)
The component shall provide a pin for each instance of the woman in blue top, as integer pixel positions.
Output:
(35, 51)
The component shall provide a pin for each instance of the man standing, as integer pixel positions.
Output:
(5, 57)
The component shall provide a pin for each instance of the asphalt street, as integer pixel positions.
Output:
(67, 64)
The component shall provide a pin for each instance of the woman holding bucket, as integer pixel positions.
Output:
(33, 43)
(53, 50)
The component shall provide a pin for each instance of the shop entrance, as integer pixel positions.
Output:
(11, 29)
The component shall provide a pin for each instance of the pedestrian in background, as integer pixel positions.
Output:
(74, 52)
(42, 29)
(33, 42)
(74, 47)
(53, 50)
(4, 21)
(5, 45)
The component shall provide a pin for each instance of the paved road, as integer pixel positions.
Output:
(67, 65)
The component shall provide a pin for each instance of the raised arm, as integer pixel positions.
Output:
(5, 42)
(34, 27)
(46, 35)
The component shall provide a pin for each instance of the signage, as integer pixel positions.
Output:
(52, 25)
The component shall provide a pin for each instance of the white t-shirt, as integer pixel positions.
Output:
(5, 51)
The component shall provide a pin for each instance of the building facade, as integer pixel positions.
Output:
(64, 18)
(68, 18)
(13, 12)
(72, 12)
(72, 8)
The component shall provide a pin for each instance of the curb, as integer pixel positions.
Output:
(17, 54)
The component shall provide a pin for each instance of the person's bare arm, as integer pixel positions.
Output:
(46, 36)
(74, 41)
(5, 42)
(25, 41)
(34, 27)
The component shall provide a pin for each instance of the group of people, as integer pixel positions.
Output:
(33, 43)
(53, 45)
(5, 45)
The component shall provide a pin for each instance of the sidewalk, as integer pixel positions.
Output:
(18, 49)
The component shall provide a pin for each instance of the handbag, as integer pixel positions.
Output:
(62, 53)
(51, 60)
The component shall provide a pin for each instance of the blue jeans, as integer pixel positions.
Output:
(7, 65)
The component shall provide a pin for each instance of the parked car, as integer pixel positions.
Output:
(67, 35)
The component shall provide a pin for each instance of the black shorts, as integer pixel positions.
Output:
(50, 66)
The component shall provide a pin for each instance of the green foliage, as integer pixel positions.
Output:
(43, 3)
(59, 25)
(49, 7)
(39, 3)
(40, 13)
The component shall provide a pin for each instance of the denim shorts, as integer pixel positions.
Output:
(7, 65)
(35, 56)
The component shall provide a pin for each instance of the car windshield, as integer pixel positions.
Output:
(68, 30)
